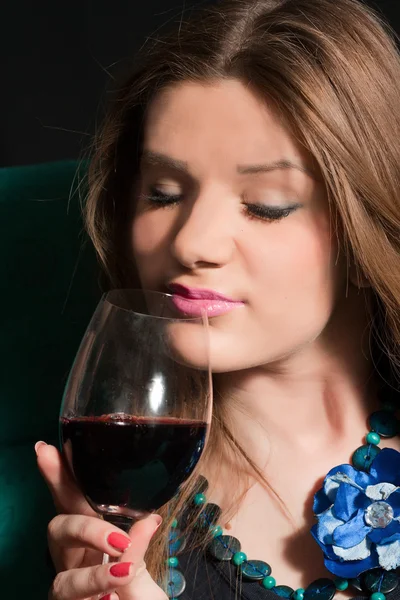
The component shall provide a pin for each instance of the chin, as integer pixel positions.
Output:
(228, 353)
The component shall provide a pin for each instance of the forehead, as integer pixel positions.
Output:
(224, 121)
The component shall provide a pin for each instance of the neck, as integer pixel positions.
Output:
(323, 392)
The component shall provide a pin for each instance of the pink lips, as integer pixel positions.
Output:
(194, 301)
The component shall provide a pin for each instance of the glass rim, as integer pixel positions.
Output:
(203, 318)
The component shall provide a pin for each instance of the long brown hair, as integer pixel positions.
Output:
(332, 70)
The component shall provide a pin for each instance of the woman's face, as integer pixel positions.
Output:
(228, 203)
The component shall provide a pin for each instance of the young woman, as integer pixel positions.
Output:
(254, 154)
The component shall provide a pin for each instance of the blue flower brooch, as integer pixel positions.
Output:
(358, 507)
(359, 517)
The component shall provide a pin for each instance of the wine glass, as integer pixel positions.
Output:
(137, 406)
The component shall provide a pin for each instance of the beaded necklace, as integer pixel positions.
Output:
(358, 529)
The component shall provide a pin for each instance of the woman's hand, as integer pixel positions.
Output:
(78, 539)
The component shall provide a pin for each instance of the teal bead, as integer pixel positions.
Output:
(174, 524)
(200, 499)
(341, 584)
(269, 582)
(224, 547)
(216, 530)
(377, 596)
(239, 558)
(210, 515)
(255, 570)
(363, 457)
(321, 589)
(298, 594)
(173, 562)
(177, 541)
(284, 591)
(380, 581)
(176, 584)
(373, 438)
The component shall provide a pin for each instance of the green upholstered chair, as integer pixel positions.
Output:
(48, 285)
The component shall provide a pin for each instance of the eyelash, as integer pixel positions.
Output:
(254, 211)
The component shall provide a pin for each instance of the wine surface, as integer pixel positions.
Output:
(124, 463)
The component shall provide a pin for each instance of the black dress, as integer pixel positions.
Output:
(208, 579)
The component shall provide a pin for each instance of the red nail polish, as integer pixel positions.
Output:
(118, 541)
(107, 597)
(120, 569)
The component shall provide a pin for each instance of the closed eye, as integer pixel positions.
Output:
(158, 198)
(269, 213)
(262, 212)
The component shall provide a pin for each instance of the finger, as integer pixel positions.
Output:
(78, 531)
(141, 534)
(66, 494)
(130, 578)
(141, 587)
(78, 584)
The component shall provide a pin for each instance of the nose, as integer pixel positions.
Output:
(205, 232)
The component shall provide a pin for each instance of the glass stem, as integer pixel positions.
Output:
(124, 523)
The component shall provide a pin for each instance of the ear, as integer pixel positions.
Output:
(357, 277)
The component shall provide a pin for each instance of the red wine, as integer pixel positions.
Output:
(131, 463)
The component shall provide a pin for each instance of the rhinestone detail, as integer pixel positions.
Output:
(379, 514)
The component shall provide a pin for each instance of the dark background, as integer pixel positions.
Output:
(58, 57)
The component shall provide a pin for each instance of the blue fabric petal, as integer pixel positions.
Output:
(327, 523)
(359, 552)
(321, 502)
(380, 491)
(359, 477)
(389, 555)
(379, 534)
(394, 501)
(327, 550)
(348, 570)
(389, 540)
(348, 501)
(386, 466)
(351, 533)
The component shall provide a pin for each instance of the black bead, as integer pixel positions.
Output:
(356, 584)
(224, 547)
(190, 514)
(379, 580)
(323, 589)
(284, 591)
(209, 516)
(201, 485)
(385, 423)
(255, 570)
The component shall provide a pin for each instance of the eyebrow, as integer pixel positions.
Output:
(157, 159)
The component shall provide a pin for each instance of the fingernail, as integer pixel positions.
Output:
(120, 569)
(39, 445)
(107, 597)
(119, 541)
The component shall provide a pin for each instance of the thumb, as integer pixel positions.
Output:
(67, 497)
(142, 586)
(141, 534)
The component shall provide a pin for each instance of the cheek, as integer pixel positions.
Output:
(295, 267)
(147, 232)
(150, 243)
